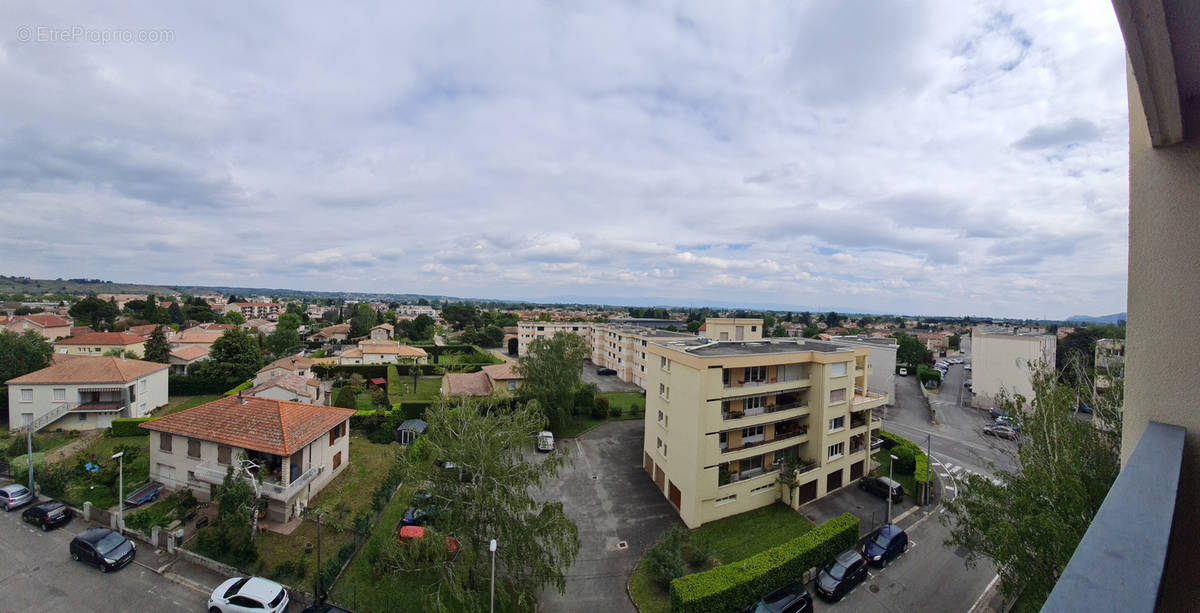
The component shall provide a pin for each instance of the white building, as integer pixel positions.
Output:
(881, 360)
(1001, 360)
(86, 393)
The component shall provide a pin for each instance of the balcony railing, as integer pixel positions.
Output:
(1118, 566)
(210, 473)
(778, 437)
(762, 410)
(746, 474)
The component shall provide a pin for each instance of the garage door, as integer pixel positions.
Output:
(659, 478)
(647, 463)
(856, 470)
(833, 481)
(808, 492)
(674, 496)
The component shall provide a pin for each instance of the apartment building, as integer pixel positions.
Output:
(882, 358)
(1001, 360)
(623, 349)
(416, 309)
(724, 417)
(86, 393)
(250, 310)
(529, 331)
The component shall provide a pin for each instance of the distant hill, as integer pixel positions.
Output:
(1103, 319)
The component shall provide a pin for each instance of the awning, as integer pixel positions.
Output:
(379, 381)
(102, 389)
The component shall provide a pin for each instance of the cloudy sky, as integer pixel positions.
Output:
(903, 157)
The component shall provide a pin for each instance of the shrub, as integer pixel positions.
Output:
(732, 586)
(665, 557)
(585, 399)
(905, 460)
(128, 426)
(245, 386)
(600, 408)
(345, 398)
(194, 385)
(615, 411)
(53, 479)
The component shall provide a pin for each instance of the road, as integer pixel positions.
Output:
(37, 574)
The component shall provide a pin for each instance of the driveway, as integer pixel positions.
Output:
(607, 383)
(870, 510)
(619, 513)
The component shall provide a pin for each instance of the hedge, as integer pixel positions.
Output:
(372, 371)
(128, 426)
(193, 385)
(733, 586)
(921, 470)
(245, 386)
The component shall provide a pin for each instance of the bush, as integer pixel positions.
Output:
(600, 408)
(244, 386)
(585, 399)
(733, 586)
(901, 448)
(128, 426)
(194, 385)
(290, 569)
(345, 398)
(615, 411)
(227, 543)
(665, 557)
(53, 479)
(905, 460)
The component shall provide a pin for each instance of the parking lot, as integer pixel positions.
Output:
(606, 383)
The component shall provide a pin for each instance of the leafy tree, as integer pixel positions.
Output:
(21, 354)
(234, 317)
(461, 316)
(233, 358)
(118, 353)
(779, 331)
(954, 341)
(157, 347)
(364, 319)
(345, 398)
(1031, 522)
(492, 495)
(423, 302)
(693, 326)
(298, 310)
(231, 539)
(419, 328)
(175, 314)
(91, 311)
(289, 320)
(910, 350)
(552, 369)
(811, 331)
(283, 341)
(832, 319)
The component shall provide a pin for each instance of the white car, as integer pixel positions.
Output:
(545, 441)
(248, 594)
(903, 372)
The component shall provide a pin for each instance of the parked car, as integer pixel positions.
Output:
(885, 544)
(545, 441)
(967, 367)
(1007, 432)
(841, 574)
(418, 516)
(14, 496)
(48, 514)
(997, 413)
(967, 383)
(248, 594)
(102, 548)
(882, 487)
(791, 598)
(903, 372)
(1084, 408)
(1004, 420)
(606, 372)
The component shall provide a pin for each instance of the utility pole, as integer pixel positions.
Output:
(320, 599)
(120, 458)
(29, 448)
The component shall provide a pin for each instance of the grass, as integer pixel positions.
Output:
(906, 480)
(176, 404)
(358, 589)
(627, 401)
(346, 496)
(578, 424)
(84, 488)
(730, 539)
(428, 389)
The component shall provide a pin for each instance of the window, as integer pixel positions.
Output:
(337, 459)
(756, 373)
(725, 377)
(836, 450)
(512, 385)
(27, 395)
(837, 423)
(752, 432)
(142, 385)
(770, 487)
(664, 391)
(60, 394)
(723, 439)
(191, 476)
(223, 454)
(729, 498)
(838, 395)
(336, 432)
(661, 447)
(164, 442)
(193, 447)
(83, 417)
(664, 450)
(664, 363)
(660, 417)
(752, 463)
(837, 370)
(756, 402)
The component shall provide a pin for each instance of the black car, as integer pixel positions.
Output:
(882, 487)
(841, 574)
(420, 516)
(792, 598)
(884, 544)
(48, 514)
(102, 548)
(606, 372)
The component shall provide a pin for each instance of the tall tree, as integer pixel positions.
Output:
(364, 319)
(289, 320)
(91, 311)
(175, 314)
(22, 354)
(910, 351)
(157, 347)
(493, 494)
(233, 359)
(1032, 521)
(283, 341)
(234, 317)
(552, 369)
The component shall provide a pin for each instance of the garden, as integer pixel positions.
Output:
(605, 407)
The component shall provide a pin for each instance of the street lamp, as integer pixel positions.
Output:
(492, 548)
(120, 458)
(889, 496)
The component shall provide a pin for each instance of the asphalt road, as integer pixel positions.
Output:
(37, 574)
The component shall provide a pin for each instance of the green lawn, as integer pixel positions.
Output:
(578, 424)
(84, 488)
(625, 400)
(906, 480)
(346, 496)
(428, 389)
(176, 404)
(730, 539)
(359, 590)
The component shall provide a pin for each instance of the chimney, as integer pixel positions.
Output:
(240, 399)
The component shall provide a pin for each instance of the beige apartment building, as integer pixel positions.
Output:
(623, 349)
(100, 343)
(723, 418)
(529, 331)
(1001, 359)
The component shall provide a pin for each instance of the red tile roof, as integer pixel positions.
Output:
(103, 338)
(261, 424)
(502, 372)
(45, 320)
(467, 384)
(106, 369)
(189, 353)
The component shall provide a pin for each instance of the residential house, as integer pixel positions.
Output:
(86, 393)
(183, 357)
(99, 343)
(51, 327)
(295, 448)
(383, 352)
(259, 324)
(148, 329)
(723, 417)
(290, 387)
(297, 365)
(416, 309)
(382, 332)
(122, 299)
(338, 332)
(195, 337)
(212, 326)
(495, 378)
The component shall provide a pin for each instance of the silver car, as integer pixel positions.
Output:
(13, 496)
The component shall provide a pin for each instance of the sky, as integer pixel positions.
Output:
(942, 158)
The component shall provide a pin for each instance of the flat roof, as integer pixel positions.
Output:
(738, 348)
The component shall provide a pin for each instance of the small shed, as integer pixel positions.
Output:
(409, 431)
(380, 381)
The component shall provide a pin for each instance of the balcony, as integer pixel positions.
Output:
(1119, 564)
(864, 400)
(215, 474)
(779, 436)
(731, 415)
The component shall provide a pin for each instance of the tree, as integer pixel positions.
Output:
(91, 311)
(419, 328)
(234, 317)
(779, 331)
(233, 358)
(22, 354)
(118, 353)
(811, 331)
(283, 341)
(157, 347)
(832, 319)
(552, 369)
(345, 398)
(175, 314)
(231, 538)
(364, 319)
(289, 320)
(910, 351)
(492, 495)
(1032, 521)
(954, 341)
(693, 326)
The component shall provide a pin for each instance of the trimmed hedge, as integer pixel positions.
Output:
(245, 386)
(372, 371)
(733, 586)
(128, 426)
(193, 385)
(921, 470)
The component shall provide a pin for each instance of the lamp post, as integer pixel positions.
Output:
(889, 497)
(120, 458)
(492, 548)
